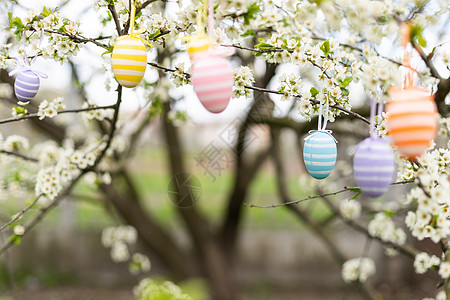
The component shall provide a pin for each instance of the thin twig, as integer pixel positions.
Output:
(345, 189)
(336, 106)
(79, 39)
(20, 214)
(64, 111)
(18, 154)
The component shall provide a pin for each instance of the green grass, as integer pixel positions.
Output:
(150, 174)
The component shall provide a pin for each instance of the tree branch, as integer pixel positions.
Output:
(21, 213)
(18, 154)
(115, 17)
(345, 189)
(336, 106)
(64, 111)
(406, 250)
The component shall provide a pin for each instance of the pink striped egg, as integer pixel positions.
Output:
(26, 86)
(212, 79)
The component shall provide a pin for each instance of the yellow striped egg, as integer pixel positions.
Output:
(129, 60)
(198, 45)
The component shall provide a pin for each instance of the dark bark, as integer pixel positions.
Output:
(210, 255)
(262, 109)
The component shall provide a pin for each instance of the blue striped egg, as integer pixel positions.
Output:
(373, 166)
(26, 86)
(319, 154)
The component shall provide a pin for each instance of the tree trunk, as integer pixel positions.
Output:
(208, 247)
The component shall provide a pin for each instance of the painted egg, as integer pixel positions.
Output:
(412, 120)
(129, 61)
(198, 46)
(212, 78)
(373, 166)
(26, 86)
(319, 154)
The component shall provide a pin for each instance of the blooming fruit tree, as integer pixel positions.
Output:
(323, 57)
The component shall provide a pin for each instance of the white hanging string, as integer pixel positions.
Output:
(24, 64)
(323, 115)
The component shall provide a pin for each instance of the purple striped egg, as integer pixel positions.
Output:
(26, 86)
(373, 166)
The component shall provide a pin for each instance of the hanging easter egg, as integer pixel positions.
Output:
(411, 120)
(212, 78)
(373, 166)
(129, 61)
(26, 86)
(198, 45)
(319, 154)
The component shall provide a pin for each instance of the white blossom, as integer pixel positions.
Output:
(358, 269)
(350, 209)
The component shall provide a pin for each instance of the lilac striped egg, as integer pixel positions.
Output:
(26, 86)
(373, 166)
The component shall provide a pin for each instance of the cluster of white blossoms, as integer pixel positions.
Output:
(139, 264)
(444, 129)
(94, 114)
(179, 77)
(15, 143)
(358, 269)
(431, 216)
(350, 209)
(290, 85)
(50, 109)
(120, 239)
(58, 167)
(242, 77)
(379, 72)
(59, 46)
(423, 262)
(383, 227)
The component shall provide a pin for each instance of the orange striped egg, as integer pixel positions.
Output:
(129, 60)
(411, 120)
(212, 78)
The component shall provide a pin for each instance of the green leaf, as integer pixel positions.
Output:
(422, 41)
(46, 11)
(389, 213)
(20, 110)
(251, 12)
(264, 46)
(109, 50)
(416, 34)
(357, 193)
(314, 92)
(249, 32)
(325, 47)
(15, 239)
(16, 24)
(344, 83)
